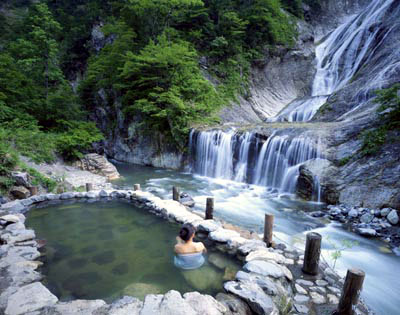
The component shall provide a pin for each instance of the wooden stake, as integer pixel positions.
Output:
(33, 190)
(89, 187)
(136, 187)
(351, 292)
(175, 194)
(268, 229)
(210, 208)
(312, 253)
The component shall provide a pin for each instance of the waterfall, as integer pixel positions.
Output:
(243, 157)
(338, 58)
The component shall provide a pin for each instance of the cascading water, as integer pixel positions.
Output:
(243, 157)
(338, 59)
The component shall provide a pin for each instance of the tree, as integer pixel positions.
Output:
(163, 84)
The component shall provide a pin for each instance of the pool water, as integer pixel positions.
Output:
(109, 249)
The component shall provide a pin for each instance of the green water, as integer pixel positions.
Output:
(110, 249)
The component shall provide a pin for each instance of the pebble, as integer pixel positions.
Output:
(304, 282)
(302, 309)
(317, 298)
(332, 299)
(300, 289)
(321, 283)
(300, 298)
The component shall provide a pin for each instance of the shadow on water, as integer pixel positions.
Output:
(245, 205)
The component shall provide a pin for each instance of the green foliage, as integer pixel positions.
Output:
(285, 306)
(78, 137)
(390, 120)
(338, 249)
(344, 161)
(39, 179)
(164, 85)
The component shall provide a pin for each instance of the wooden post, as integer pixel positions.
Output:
(136, 187)
(89, 187)
(268, 229)
(210, 208)
(33, 190)
(351, 292)
(312, 253)
(176, 194)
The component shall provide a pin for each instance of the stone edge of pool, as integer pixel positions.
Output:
(267, 276)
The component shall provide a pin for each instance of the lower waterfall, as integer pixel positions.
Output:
(251, 158)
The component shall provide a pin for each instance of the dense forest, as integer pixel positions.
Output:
(170, 62)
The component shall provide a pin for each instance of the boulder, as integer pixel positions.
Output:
(317, 298)
(366, 232)
(13, 206)
(366, 218)
(259, 302)
(393, 217)
(265, 254)
(204, 304)
(207, 226)
(353, 213)
(29, 298)
(173, 304)
(77, 307)
(234, 305)
(19, 192)
(10, 218)
(384, 212)
(21, 178)
(98, 164)
(16, 237)
(223, 235)
(263, 281)
(264, 268)
(186, 200)
(125, 306)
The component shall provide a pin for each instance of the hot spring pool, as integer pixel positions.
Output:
(105, 250)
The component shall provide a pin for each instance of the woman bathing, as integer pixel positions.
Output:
(189, 254)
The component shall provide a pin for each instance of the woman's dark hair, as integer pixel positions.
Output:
(187, 231)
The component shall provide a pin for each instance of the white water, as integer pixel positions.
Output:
(338, 59)
(243, 157)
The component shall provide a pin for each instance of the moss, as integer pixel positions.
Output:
(345, 160)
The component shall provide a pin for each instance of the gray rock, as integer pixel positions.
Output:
(207, 226)
(251, 245)
(393, 217)
(332, 299)
(366, 218)
(20, 236)
(353, 213)
(334, 290)
(27, 202)
(103, 194)
(264, 282)
(187, 200)
(125, 306)
(98, 164)
(300, 289)
(67, 195)
(151, 304)
(259, 302)
(29, 298)
(233, 304)
(301, 299)
(52, 196)
(77, 307)
(366, 232)
(320, 290)
(13, 206)
(223, 235)
(304, 282)
(173, 304)
(10, 218)
(19, 192)
(385, 211)
(317, 298)
(204, 304)
(321, 283)
(264, 268)
(21, 178)
(91, 195)
(302, 309)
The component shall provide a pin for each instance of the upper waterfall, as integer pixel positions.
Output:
(338, 58)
